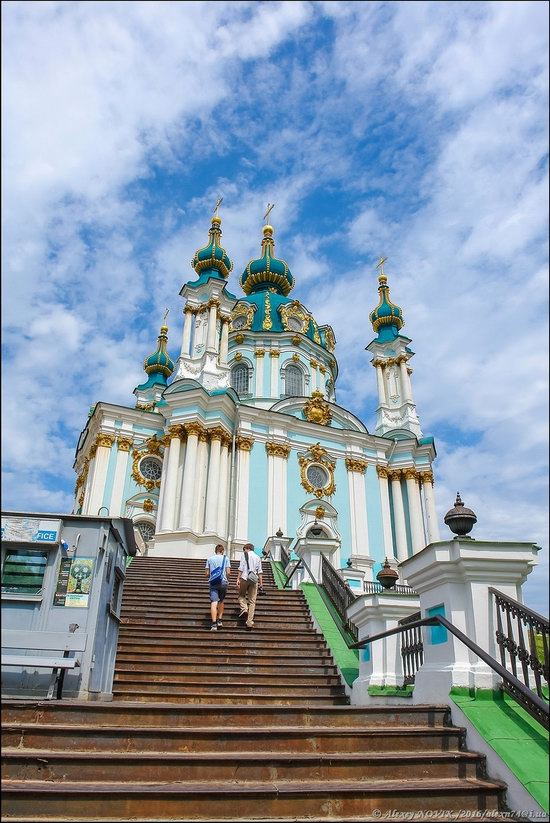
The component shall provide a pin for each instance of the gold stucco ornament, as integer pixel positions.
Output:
(317, 472)
(317, 410)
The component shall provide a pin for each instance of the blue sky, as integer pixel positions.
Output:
(413, 130)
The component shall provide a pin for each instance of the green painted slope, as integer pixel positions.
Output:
(346, 659)
(521, 742)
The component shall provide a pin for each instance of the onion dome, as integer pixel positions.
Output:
(213, 258)
(160, 361)
(267, 271)
(386, 313)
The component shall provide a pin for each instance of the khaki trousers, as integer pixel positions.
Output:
(247, 599)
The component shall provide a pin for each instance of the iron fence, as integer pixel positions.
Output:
(412, 647)
(339, 592)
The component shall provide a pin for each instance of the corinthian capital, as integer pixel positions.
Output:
(277, 449)
(105, 440)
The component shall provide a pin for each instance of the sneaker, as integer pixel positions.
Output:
(220, 624)
(214, 627)
(250, 625)
(243, 613)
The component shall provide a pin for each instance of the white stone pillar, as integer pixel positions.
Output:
(405, 381)
(380, 382)
(224, 345)
(223, 493)
(314, 375)
(187, 323)
(211, 342)
(213, 484)
(166, 441)
(380, 663)
(415, 510)
(104, 444)
(259, 389)
(358, 506)
(124, 444)
(244, 446)
(453, 579)
(432, 525)
(382, 473)
(274, 354)
(170, 492)
(193, 430)
(199, 496)
(277, 483)
(399, 515)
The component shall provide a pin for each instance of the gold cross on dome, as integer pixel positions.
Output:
(380, 264)
(269, 208)
(217, 207)
(166, 313)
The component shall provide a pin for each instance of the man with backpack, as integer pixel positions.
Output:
(218, 569)
(248, 577)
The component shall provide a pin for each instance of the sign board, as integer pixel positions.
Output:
(62, 581)
(79, 582)
(30, 530)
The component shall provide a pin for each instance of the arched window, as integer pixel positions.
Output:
(294, 385)
(240, 378)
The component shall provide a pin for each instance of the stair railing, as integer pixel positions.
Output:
(536, 706)
(512, 618)
(374, 587)
(412, 647)
(285, 557)
(339, 592)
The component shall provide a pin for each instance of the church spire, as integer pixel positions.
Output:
(267, 272)
(213, 259)
(387, 317)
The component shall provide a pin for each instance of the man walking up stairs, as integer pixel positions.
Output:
(232, 725)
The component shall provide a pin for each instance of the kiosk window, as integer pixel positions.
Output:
(23, 571)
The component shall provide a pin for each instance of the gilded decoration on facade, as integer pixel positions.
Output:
(316, 337)
(154, 445)
(382, 471)
(294, 317)
(277, 449)
(146, 406)
(410, 474)
(296, 340)
(426, 477)
(81, 481)
(238, 356)
(296, 358)
(239, 338)
(330, 340)
(105, 440)
(317, 472)
(268, 323)
(359, 466)
(244, 443)
(124, 444)
(148, 505)
(137, 476)
(317, 410)
(217, 433)
(259, 353)
(274, 353)
(193, 428)
(320, 512)
(245, 312)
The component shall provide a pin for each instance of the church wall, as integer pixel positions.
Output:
(375, 524)
(109, 480)
(296, 495)
(257, 506)
(340, 501)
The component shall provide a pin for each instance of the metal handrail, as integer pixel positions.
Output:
(412, 648)
(301, 562)
(285, 557)
(339, 591)
(531, 702)
(374, 587)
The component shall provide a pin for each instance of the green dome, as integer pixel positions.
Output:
(269, 310)
(386, 313)
(160, 361)
(267, 271)
(213, 257)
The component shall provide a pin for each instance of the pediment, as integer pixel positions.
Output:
(341, 418)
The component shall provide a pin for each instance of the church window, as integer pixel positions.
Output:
(317, 476)
(239, 322)
(240, 379)
(24, 571)
(147, 530)
(293, 382)
(150, 468)
(294, 324)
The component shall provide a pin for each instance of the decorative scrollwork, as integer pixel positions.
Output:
(317, 410)
(317, 456)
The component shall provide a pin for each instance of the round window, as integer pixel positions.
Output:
(239, 322)
(294, 324)
(151, 468)
(147, 530)
(317, 476)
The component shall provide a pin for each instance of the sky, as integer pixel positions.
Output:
(412, 130)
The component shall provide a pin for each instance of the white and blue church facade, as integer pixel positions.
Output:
(242, 437)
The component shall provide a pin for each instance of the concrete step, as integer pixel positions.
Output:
(227, 801)
(244, 767)
(220, 678)
(253, 686)
(213, 667)
(235, 698)
(158, 657)
(83, 712)
(139, 632)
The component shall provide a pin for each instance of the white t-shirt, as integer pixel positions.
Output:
(254, 564)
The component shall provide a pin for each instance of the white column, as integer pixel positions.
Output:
(399, 516)
(358, 506)
(224, 345)
(415, 510)
(211, 342)
(314, 364)
(213, 485)
(431, 513)
(274, 354)
(277, 483)
(124, 445)
(385, 505)
(259, 390)
(163, 482)
(380, 383)
(405, 381)
(189, 476)
(104, 444)
(222, 497)
(199, 496)
(244, 445)
(169, 503)
(187, 322)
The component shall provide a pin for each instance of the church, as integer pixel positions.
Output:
(241, 437)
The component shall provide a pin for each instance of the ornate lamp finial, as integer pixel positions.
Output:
(460, 519)
(387, 576)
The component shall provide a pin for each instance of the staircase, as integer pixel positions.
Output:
(231, 725)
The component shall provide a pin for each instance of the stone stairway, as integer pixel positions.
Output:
(231, 725)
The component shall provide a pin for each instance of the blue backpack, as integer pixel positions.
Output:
(216, 575)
